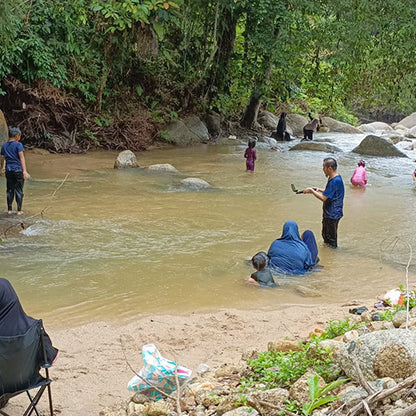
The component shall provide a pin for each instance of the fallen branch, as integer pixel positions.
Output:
(258, 403)
(21, 223)
(381, 395)
(361, 378)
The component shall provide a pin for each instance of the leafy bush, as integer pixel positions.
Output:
(337, 328)
(282, 369)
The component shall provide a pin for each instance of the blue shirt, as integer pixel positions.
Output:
(10, 150)
(334, 191)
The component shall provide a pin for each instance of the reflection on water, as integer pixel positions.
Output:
(121, 242)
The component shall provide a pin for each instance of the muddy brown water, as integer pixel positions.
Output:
(114, 243)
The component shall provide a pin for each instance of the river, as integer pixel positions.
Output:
(115, 243)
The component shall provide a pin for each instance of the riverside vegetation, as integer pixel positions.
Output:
(296, 378)
(110, 73)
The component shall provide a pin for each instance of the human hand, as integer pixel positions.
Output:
(25, 175)
(308, 190)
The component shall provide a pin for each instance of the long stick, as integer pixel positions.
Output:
(382, 394)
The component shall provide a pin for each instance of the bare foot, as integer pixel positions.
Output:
(10, 212)
(19, 212)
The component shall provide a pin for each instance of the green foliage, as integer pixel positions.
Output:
(282, 369)
(337, 328)
(330, 57)
(387, 315)
(317, 395)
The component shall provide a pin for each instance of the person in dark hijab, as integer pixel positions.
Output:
(281, 134)
(13, 319)
(308, 238)
(289, 254)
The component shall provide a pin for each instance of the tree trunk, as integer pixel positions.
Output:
(219, 81)
(252, 109)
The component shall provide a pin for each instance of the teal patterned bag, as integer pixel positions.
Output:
(159, 372)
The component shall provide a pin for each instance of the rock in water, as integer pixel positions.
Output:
(126, 159)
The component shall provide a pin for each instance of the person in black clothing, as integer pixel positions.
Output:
(13, 319)
(281, 134)
(262, 277)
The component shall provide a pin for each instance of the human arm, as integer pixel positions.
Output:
(23, 162)
(252, 281)
(3, 168)
(317, 192)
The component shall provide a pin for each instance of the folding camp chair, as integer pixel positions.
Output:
(21, 358)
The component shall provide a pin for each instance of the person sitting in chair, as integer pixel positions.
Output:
(13, 319)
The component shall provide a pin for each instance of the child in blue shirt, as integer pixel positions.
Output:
(13, 164)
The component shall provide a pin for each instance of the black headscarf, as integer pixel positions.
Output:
(13, 319)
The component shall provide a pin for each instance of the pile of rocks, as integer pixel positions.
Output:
(379, 359)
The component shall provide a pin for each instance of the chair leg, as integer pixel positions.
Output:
(50, 399)
(34, 402)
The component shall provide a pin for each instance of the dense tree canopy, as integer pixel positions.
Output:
(339, 57)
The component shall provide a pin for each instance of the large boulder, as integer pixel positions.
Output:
(4, 130)
(389, 353)
(213, 123)
(268, 120)
(339, 126)
(125, 159)
(377, 146)
(411, 133)
(374, 127)
(295, 123)
(316, 147)
(187, 132)
(409, 121)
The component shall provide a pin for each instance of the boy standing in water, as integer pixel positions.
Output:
(250, 155)
(333, 201)
(12, 156)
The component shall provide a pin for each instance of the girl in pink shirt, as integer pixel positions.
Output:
(250, 155)
(359, 177)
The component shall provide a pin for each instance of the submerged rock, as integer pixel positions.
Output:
(125, 159)
(195, 183)
(163, 167)
(316, 147)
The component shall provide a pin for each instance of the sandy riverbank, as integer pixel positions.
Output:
(91, 372)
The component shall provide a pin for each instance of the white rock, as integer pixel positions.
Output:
(163, 167)
(195, 183)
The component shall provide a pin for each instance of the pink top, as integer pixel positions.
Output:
(250, 154)
(359, 177)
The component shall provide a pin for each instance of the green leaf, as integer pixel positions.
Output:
(333, 385)
(313, 383)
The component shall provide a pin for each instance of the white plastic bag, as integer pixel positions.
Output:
(160, 372)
